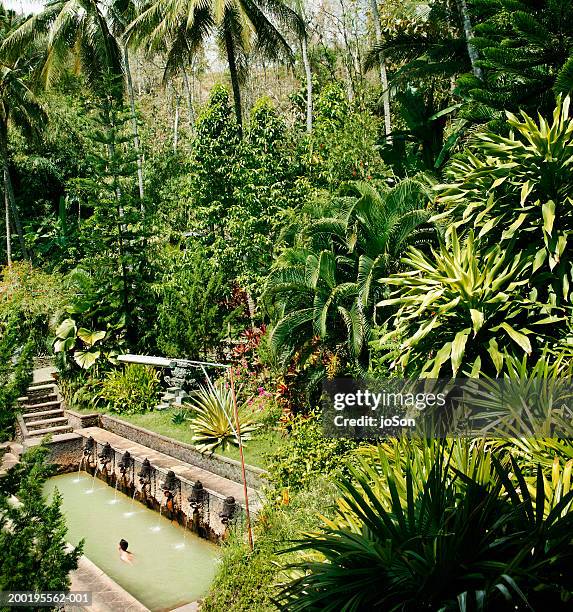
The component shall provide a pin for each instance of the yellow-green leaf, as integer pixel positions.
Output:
(518, 337)
(458, 349)
(477, 319)
(495, 355)
(548, 212)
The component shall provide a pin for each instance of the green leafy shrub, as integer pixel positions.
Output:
(180, 416)
(451, 542)
(192, 319)
(33, 532)
(16, 364)
(343, 146)
(130, 390)
(246, 580)
(307, 453)
(213, 417)
(461, 310)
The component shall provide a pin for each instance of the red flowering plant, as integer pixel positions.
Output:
(250, 374)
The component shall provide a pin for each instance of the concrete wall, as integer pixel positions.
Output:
(222, 466)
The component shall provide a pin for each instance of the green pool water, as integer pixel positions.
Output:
(171, 566)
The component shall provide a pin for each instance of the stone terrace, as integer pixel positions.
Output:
(212, 482)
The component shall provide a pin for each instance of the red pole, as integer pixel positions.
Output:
(242, 458)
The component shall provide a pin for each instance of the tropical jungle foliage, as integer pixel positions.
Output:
(302, 191)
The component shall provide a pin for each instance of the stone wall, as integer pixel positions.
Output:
(78, 420)
(222, 466)
(65, 450)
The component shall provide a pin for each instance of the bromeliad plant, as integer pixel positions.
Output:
(451, 542)
(462, 310)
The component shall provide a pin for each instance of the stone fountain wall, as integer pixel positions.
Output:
(207, 523)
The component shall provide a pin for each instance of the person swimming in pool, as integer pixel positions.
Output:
(124, 554)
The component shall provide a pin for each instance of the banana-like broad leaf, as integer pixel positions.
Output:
(66, 328)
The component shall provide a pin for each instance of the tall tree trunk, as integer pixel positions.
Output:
(8, 190)
(308, 73)
(8, 236)
(232, 60)
(383, 73)
(176, 119)
(189, 98)
(134, 122)
(349, 81)
(469, 34)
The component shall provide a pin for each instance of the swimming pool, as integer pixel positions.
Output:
(171, 565)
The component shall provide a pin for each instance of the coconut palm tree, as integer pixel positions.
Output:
(240, 26)
(90, 32)
(18, 107)
(65, 29)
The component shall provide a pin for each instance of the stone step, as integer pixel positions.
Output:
(38, 399)
(43, 423)
(42, 413)
(59, 437)
(51, 430)
(43, 406)
(162, 406)
(8, 461)
(41, 390)
(16, 448)
(42, 384)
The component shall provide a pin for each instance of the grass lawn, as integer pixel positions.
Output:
(159, 421)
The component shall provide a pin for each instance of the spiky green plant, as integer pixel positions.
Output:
(532, 399)
(517, 191)
(448, 543)
(460, 310)
(213, 417)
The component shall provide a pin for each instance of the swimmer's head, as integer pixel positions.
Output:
(123, 544)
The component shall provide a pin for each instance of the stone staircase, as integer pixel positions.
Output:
(42, 411)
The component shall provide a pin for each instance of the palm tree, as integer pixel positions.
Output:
(240, 26)
(327, 286)
(67, 28)
(90, 32)
(18, 107)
